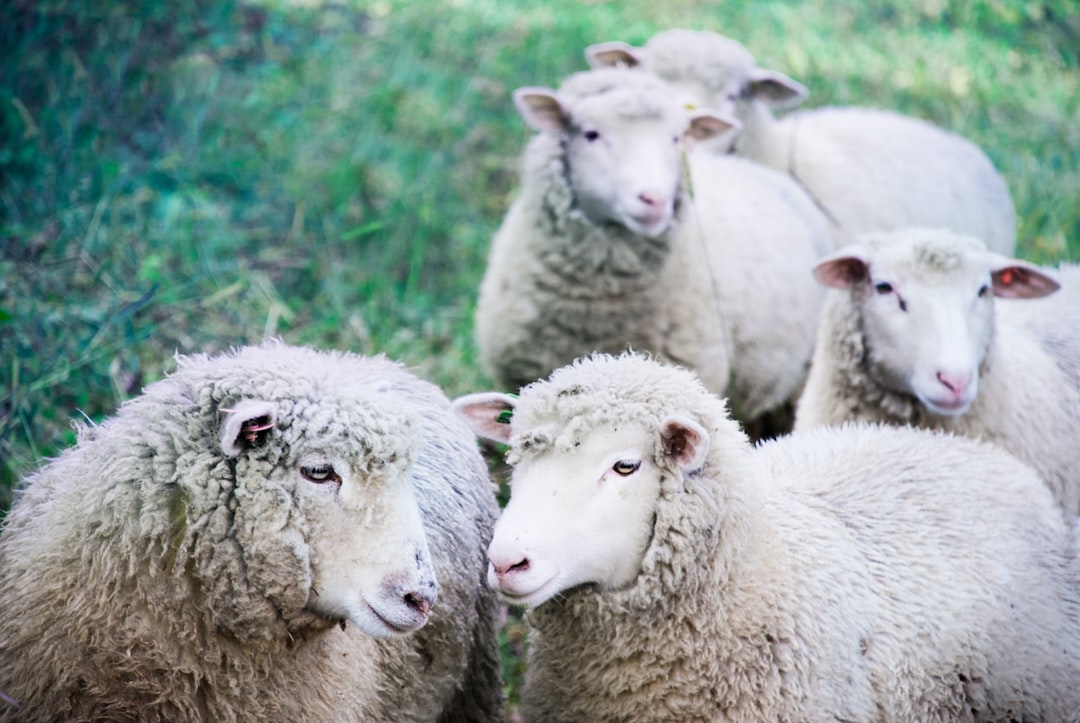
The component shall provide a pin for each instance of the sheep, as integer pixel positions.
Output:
(872, 170)
(605, 249)
(277, 533)
(911, 334)
(673, 572)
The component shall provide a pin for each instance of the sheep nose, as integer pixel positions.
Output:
(652, 200)
(502, 569)
(421, 598)
(955, 383)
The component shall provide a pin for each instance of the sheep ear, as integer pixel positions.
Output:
(685, 441)
(487, 414)
(248, 424)
(1017, 279)
(541, 108)
(611, 54)
(708, 125)
(842, 269)
(776, 89)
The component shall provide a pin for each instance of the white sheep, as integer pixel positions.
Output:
(677, 573)
(605, 249)
(871, 170)
(261, 536)
(912, 334)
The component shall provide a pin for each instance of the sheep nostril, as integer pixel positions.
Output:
(953, 382)
(419, 603)
(650, 199)
(521, 565)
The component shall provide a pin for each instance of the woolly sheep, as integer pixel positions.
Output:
(677, 573)
(912, 334)
(255, 538)
(872, 170)
(604, 249)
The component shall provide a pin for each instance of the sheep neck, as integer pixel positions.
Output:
(763, 138)
(627, 638)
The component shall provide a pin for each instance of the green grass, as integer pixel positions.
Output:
(193, 175)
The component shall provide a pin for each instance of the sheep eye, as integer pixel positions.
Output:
(591, 136)
(320, 473)
(983, 291)
(883, 288)
(626, 467)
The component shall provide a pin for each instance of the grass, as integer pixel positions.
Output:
(192, 175)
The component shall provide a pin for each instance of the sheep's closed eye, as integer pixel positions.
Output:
(983, 291)
(320, 473)
(591, 136)
(626, 467)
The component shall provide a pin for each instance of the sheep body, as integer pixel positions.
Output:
(175, 566)
(861, 573)
(1017, 359)
(872, 170)
(563, 279)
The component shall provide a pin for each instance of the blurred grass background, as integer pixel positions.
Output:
(192, 175)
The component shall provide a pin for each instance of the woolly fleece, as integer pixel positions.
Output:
(725, 290)
(1029, 380)
(863, 573)
(146, 576)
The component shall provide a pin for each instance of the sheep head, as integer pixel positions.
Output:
(312, 517)
(580, 513)
(623, 134)
(706, 69)
(924, 301)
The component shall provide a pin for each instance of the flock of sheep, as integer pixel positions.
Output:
(796, 439)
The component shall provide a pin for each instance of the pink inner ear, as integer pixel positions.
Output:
(840, 272)
(540, 108)
(1020, 282)
(685, 442)
(487, 414)
(607, 55)
(246, 425)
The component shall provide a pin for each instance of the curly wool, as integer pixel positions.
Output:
(830, 575)
(559, 283)
(1029, 379)
(146, 576)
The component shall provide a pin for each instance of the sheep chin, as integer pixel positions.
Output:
(381, 621)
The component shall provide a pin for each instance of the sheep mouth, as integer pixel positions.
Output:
(950, 407)
(650, 225)
(392, 623)
(530, 597)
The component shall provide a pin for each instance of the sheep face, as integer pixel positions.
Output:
(582, 506)
(578, 517)
(623, 149)
(357, 515)
(924, 301)
(375, 568)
